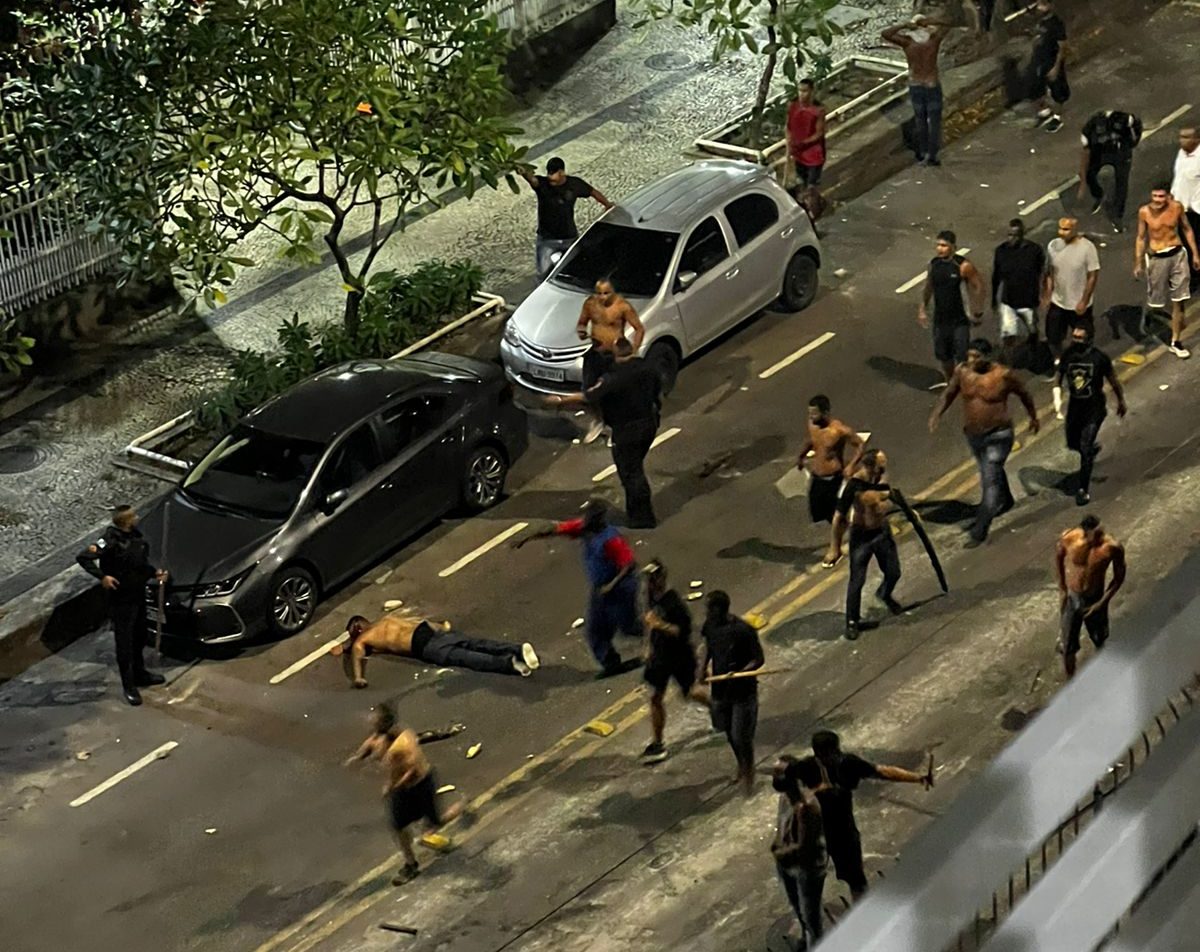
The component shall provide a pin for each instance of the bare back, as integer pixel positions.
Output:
(608, 323)
(985, 398)
(1085, 564)
(405, 762)
(829, 444)
(390, 635)
(1162, 227)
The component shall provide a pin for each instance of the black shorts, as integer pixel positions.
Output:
(1060, 321)
(823, 496)
(809, 175)
(1083, 426)
(1072, 622)
(596, 363)
(950, 342)
(847, 861)
(677, 661)
(407, 806)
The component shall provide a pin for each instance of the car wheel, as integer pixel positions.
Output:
(483, 478)
(800, 283)
(665, 360)
(294, 597)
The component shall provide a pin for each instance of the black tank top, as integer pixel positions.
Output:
(945, 274)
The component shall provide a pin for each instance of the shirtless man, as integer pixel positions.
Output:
(433, 643)
(921, 39)
(1162, 229)
(1082, 561)
(823, 454)
(605, 318)
(985, 388)
(864, 504)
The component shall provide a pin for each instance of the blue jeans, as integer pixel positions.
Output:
(608, 614)
(544, 249)
(991, 450)
(804, 888)
(927, 110)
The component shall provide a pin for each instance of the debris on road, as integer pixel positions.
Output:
(577, 623)
(692, 596)
(1135, 360)
(392, 604)
(83, 755)
(211, 830)
(473, 750)
(384, 577)
(436, 841)
(840, 273)
(599, 728)
(710, 466)
(392, 927)
(447, 788)
(697, 583)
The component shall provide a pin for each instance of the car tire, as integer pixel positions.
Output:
(664, 359)
(800, 283)
(293, 599)
(484, 475)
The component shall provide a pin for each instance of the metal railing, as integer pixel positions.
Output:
(525, 18)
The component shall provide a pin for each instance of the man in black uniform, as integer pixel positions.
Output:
(1109, 138)
(843, 773)
(121, 560)
(557, 193)
(629, 397)
(1084, 368)
(944, 287)
(670, 654)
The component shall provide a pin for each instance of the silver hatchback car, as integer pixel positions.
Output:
(695, 253)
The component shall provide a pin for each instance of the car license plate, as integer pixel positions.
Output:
(548, 373)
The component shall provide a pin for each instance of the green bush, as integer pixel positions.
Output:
(397, 310)
(14, 347)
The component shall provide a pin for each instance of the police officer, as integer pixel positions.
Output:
(121, 560)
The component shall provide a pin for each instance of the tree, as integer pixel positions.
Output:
(772, 29)
(200, 121)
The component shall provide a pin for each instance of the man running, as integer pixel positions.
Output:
(985, 387)
(605, 318)
(1109, 138)
(921, 39)
(823, 455)
(609, 564)
(557, 192)
(944, 287)
(432, 642)
(1018, 270)
(1047, 71)
(1070, 283)
(1185, 185)
(863, 504)
(1084, 369)
(1081, 562)
(1162, 229)
(731, 646)
(384, 730)
(670, 654)
(844, 772)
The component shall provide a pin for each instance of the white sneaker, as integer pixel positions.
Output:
(530, 657)
(593, 432)
(1179, 350)
(521, 667)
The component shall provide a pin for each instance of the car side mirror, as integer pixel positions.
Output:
(334, 500)
(686, 279)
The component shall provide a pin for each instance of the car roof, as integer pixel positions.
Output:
(680, 198)
(326, 404)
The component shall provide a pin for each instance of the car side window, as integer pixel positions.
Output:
(408, 421)
(705, 248)
(353, 461)
(751, 215)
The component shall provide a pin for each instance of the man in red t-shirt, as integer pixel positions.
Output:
(609, 563)
(806, 143)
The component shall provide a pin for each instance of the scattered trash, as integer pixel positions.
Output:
(473, 750)
(1033, 151)
(384, 577)
(577, 623)
(529, 756)
(1163, 386)
(83, 755)
(436, 841)
(1021, 202)
(1132, 358)
(211, 830)
(840, 273)
(756, 621)
(444, 670)
(576, 441)
(743, 388)
(692, 596)
(392, 604)
(984, 185)
(448, 788)
(392, 927)
(599, 728)
(580, 412)
(697, 583)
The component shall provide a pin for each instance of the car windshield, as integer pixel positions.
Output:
(253, 472)
(634, 259)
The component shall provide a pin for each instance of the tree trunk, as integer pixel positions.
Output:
(764, 82)
(350, 318)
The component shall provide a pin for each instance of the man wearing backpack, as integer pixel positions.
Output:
(1109, 138)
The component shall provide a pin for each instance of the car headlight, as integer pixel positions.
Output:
(218, 589)
(510, 334)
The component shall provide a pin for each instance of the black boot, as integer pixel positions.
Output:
(131, 695)
(149, 679)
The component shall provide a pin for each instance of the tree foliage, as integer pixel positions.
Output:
(196, 123)
(794, 32)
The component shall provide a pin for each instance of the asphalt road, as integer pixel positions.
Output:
(249, 835)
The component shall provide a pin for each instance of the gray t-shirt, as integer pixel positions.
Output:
(1071, 264)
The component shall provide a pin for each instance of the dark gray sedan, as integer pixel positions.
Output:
(321, 482)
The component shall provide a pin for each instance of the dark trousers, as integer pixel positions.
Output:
(449, 649)
(1083, 429)
(1121, 165)
(991, 451)
(804, 888)
(631, 443)
(608, 614)
(738, 719)
(1194, 220)
(927, 110)
(987, 10)
(864, 546)
(129, 629)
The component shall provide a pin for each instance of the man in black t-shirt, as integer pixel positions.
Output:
(843, 774)
(1047, 71)
(1108, 138)
(1084, 368)
(731, 646)
(1018, 273)
(557, 193)
(669, 654)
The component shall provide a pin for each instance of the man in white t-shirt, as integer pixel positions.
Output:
(1185, 185)
(1074, 268)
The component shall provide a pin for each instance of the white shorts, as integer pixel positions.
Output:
(1167, 277)
(1017, 322)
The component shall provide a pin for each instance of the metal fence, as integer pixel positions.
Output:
(47, 250)
(527, 18)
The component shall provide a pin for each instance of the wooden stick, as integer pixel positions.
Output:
(756, 673)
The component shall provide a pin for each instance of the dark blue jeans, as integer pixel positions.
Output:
(991, 451)
(927, 110)
(608, 614)
(804, 888)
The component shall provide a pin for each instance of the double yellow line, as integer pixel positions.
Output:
(779, 606)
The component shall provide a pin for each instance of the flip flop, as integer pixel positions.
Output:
(826, 564)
